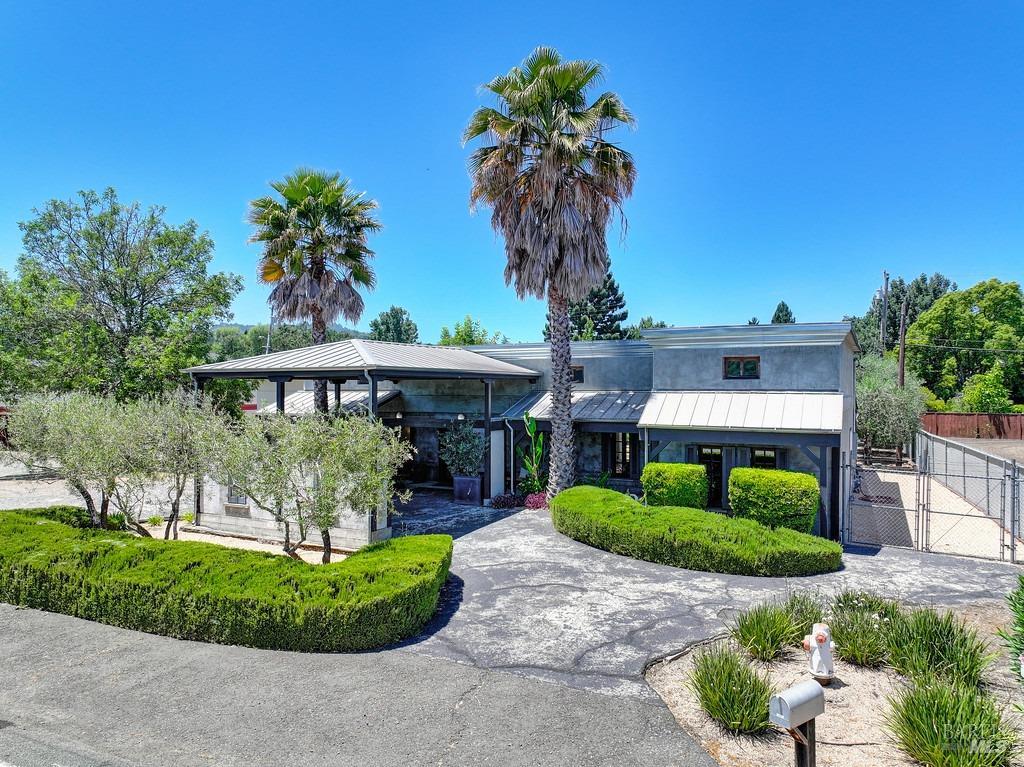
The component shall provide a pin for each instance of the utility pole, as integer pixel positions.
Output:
(903, 342)
(885, 313)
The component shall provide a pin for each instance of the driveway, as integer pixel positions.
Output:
(536, 657)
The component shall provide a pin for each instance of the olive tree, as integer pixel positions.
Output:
(180, 437)
(887, 415)
(92, 442)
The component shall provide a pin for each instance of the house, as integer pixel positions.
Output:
(774, 396)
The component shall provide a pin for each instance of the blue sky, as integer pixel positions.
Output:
(784, 150)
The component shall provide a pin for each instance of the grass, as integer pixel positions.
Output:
(690, 538)
(948, 725)
(212, 593)
(764, 630)
(924, 643)
(805, 609)
(730, 691)
(860, 623)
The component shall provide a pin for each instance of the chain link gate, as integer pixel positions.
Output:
(956, 500)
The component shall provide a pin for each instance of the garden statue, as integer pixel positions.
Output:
(818, 646)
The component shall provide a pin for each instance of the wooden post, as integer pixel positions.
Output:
(197, 485)
(903, 342)
(280, 396)
(885, 313)
(373, 395)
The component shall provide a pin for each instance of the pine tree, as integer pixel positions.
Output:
(394, 325)
(753, 321)
(783, 315)
(600, 315)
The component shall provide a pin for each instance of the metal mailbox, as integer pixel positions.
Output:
(799, 704)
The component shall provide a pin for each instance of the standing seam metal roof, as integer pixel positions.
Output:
(783, 411)
(356, 355)
(592, 406)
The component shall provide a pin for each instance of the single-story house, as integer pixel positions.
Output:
(776, 396)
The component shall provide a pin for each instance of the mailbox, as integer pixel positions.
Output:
(797, 705)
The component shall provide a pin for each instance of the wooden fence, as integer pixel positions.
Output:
(975, 425)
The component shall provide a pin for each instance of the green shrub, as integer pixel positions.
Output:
(804, 610)
(860, 636)
(72, 516)
(925, 643)
(212, 593)
(154, 520)
(764, 630)
(188, 517)
(698, 540)
(675, 484)
(947, 725)
(730, 691)
(885, 608)
(1013, 635)
(774, 497)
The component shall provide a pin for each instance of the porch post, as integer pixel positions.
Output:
(373, 395)
(487, 438)
(337, 393)
(197, 488)
(280, 396)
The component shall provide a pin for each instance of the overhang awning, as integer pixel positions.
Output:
(301, 402)
(587, 406)
(355, 357)
(761, 411)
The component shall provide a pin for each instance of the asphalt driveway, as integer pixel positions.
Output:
(536, 657)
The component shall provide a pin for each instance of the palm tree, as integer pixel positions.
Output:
(314, 252)
(552, 181)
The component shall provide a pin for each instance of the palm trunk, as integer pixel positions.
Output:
(561, 472)
(319, 337)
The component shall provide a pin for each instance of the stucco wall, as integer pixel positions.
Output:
(607, 365)
(798, 368)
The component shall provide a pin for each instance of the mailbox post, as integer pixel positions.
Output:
(795, 710)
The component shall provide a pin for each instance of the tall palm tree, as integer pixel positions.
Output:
(552, 181)
(314, 252)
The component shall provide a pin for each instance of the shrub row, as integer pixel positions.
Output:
(675, 484)
(698, 540)
(202, 591)
(775, 497)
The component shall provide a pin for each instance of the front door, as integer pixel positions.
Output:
(711, 459)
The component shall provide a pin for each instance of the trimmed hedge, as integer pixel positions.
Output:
(690, 538)
(675, 484)
(202, 591)
(774, 497)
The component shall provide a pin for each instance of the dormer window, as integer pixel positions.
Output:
(741, 367)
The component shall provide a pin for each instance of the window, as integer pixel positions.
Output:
(308, 385)
(763, 458)
(619, 454)
(741, 367)
(236, 496)
(577, 374)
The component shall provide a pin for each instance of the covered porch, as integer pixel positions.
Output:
(723, 430)
(384, 379)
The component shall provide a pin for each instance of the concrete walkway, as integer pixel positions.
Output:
(536, 657)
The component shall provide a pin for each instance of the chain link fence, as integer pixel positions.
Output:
(956, 500)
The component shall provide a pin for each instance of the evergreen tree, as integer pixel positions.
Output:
(600, 315)
(394, 325)
(753, 321)
(783, 314)
(646, 323)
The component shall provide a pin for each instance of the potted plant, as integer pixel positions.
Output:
(462, 450)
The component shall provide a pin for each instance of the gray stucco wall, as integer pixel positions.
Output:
(607, 365)
(797, 368)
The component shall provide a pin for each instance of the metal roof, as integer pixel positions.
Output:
(301, 402)
(354, 356)
(787, 411)
(786, 334)
(592, 406)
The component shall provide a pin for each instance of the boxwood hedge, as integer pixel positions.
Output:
(775, 497)
(202, 591)
(675, 484)
(690, 538)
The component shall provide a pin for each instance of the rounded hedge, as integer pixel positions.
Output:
(690, 538)
(774, 497)
(675, 484)
(202, 591)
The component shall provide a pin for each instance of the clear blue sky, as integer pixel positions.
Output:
(784, 150)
